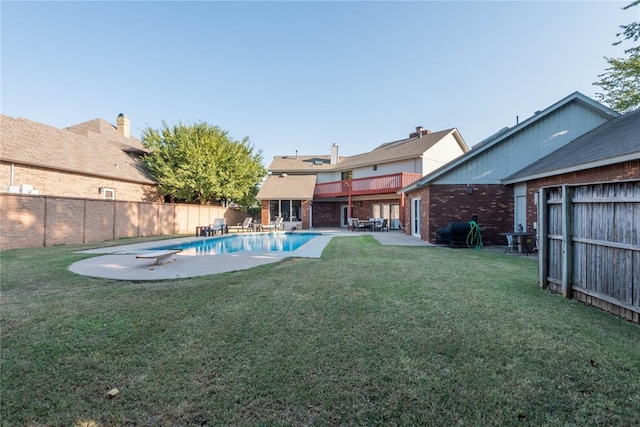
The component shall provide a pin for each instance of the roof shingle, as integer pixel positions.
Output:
(92, 148)
(387, 152)
(299, 187)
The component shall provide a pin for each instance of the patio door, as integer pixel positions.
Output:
(415, 217)
(520, 208)
(344, 216)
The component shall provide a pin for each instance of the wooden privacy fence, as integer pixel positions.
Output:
(34, 221)
(589, 244)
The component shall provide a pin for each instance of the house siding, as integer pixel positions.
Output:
(409, 166)
(524, 147)
(442, 152)
(67, 184)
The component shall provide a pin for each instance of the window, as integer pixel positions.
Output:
(296, 210)
(375, 167)
(347, 175)
(274, 209)
(289, 210)
(108, 193)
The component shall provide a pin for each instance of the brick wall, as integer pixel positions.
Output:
(264, 212)
(306, 209)
(49, 182)
(326, 214)
(442, 204)
(493, 204)
(36, 221)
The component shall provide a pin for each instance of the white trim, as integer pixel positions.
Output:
(416, 205)
(108, 193)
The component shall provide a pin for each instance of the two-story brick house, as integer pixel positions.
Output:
(92, 160)
(326, 190)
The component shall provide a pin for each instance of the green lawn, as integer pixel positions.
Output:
(367, 335)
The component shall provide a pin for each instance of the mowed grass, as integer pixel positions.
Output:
(367, 335)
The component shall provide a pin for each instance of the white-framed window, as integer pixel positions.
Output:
(108, 193)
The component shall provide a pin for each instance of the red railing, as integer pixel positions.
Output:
(384, 184)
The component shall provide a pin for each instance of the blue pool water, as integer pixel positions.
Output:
(264, 242)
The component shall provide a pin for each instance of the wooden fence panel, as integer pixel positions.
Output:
(598, 255)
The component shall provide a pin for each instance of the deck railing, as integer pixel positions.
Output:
(384, 184)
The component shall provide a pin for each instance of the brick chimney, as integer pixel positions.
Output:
(334, 154)
(124, 125)
(419, 132)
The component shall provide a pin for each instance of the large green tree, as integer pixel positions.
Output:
(202, 163)
(621, 80)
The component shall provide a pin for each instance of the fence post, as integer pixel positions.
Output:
(567, 243)
(543, 242)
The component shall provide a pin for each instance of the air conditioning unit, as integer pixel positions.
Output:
(13, 189)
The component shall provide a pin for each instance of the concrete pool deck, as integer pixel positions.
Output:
(120, 262)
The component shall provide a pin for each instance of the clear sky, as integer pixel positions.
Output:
(304, 75)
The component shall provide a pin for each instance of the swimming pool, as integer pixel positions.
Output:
(263, 242)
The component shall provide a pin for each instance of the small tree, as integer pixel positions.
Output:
(621, 80)
(201, 163)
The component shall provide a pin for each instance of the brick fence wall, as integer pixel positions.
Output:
(35, 221)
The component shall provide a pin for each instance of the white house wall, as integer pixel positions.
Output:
(526, 146)
(328, 177)
(441, 153)
(410, 166)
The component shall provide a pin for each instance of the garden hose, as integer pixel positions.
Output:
(474, 238)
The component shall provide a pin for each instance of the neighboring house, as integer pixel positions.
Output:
(472, 185)
(93, 160)
(324, 191)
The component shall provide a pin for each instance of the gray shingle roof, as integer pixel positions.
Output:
(299, 187)
(612, 142)
(91, 148)
(306, 164)
(396, 150)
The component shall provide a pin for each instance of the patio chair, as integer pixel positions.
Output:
(511, 243)
(275, 225)
(219, 224)
(242, 227)
(279, 223)
(357, 225)
(384, 225)
(376, 225)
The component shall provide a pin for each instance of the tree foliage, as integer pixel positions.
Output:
(621, 80)
(202, 163)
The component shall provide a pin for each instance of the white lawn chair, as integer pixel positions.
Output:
(242, 227)
(275, 225)
(219, 224)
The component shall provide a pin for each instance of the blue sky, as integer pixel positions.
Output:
(304, 75)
